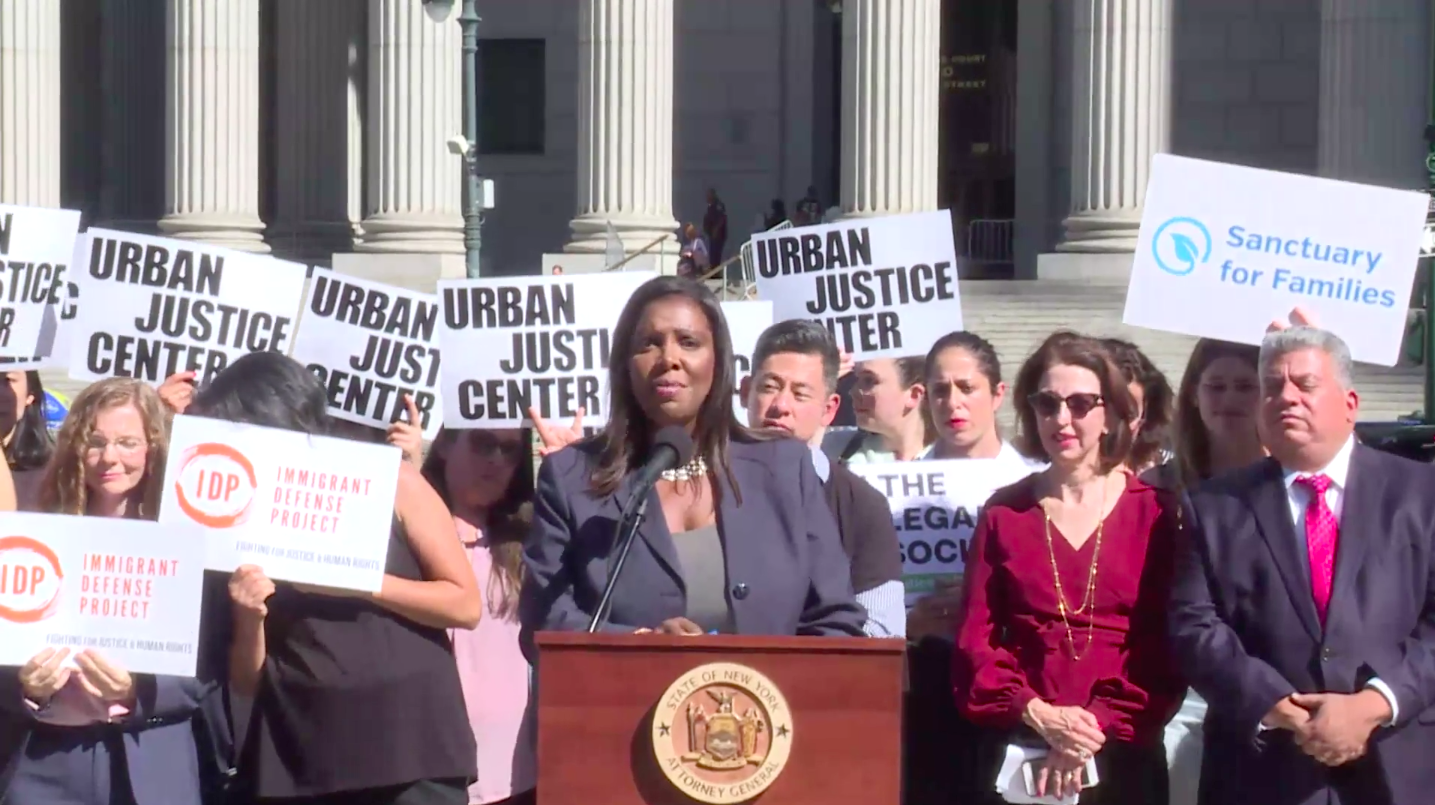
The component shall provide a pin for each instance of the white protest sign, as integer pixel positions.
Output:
(128, 589)
(1224, 249)
(308, 509)
(515, 342)
(746, 320)
(37, 245)
(159, 306)
(935, 505)
(370, 344)
(884, 287)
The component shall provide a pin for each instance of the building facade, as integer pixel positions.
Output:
(315, 127)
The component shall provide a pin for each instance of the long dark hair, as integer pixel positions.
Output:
(1193, 441)
(508, 519)
(625, 438)
(266, 389)
(1156, 407)
(30, 444)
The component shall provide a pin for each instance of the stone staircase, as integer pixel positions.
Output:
(1016, 315)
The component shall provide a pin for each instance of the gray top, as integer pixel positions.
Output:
(705, 574)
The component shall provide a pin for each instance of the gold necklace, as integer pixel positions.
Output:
(1088, 601)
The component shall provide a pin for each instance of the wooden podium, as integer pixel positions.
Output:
(665, 720)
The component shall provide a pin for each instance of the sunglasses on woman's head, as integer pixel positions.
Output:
(1048, 403)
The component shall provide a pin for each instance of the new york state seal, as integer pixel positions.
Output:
(722, 733)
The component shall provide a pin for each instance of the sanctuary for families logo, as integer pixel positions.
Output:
(1180, 245)
(30, 580)
(216, 485)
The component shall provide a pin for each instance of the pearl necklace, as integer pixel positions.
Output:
(696, 468)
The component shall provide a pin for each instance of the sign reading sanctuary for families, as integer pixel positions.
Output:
(370, 344)
(884, 287)
(156, 306)
(935, 505)
(127, 589)
(1224, 249)
(515, 342)
(307, 509)
(36, 246)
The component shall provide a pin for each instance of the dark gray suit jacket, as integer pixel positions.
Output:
(786, 571)
(1245, 629)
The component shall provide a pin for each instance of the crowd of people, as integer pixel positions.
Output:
(1216, 565)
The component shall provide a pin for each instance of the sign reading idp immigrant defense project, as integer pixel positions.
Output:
(36, 246)
(884, 287)
(370, 344)
(518, 342)
(157, 306)
(1224, 249)
(127, 589)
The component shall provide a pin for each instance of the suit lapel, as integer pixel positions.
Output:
(1272, 508)
(653, 530)
(1361, 494)
(734, 524)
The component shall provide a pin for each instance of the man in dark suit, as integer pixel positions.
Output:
(1304, 609)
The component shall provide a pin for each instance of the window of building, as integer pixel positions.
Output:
(511, 82)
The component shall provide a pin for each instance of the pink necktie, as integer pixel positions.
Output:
(1321, 535)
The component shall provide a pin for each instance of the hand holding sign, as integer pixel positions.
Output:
(935, 614)
(43, 676)
(103, 679)
(177, 391)
(1299, 317)
(408, 435)
(250, 590)
(555, 437)
(846, 364)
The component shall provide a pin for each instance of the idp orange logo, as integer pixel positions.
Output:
(216, 485)
(30, 580)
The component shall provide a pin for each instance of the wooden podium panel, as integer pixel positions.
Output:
(597, 695)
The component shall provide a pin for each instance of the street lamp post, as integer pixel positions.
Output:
(466, 147)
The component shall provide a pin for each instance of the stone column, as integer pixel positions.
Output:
(212, 123)
(625, 124)
(1121, 117)
(1374, 91)
(415, 186)
(30, 102)
(318, 154)
(891, 72)
(132, 191)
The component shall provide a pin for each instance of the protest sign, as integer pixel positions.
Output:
(935, 506)
(1224, 249)
(516, 342)
(36, 247)
(884, 287)
(160, 306)
(308, 509)
(745, 322)
(127, 589)
(370, 344)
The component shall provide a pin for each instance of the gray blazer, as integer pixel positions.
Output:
(787, 572)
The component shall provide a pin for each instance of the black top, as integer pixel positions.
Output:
(353, 696)
(864, 522)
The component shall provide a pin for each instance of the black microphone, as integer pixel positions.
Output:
(672, 448)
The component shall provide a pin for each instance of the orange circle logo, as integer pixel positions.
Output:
(30, 580)
(216, 485)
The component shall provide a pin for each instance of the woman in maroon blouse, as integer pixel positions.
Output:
(1064, 633)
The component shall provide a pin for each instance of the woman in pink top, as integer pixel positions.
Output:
(486, 478)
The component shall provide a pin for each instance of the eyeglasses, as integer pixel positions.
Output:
(123, 446)
(1047, 403)
(485, 444)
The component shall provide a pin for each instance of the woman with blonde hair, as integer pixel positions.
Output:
(93, 734)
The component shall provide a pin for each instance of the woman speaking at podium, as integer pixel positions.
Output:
(738, 540)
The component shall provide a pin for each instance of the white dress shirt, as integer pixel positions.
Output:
(1298, 496)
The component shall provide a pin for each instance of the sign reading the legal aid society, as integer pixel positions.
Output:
(307, 509)
(1224, 249)
(518, 342)
(156, 306)
(884, 287)
(129, 590)
(36, 246)
(370, 344)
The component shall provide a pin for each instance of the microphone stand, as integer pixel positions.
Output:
(628, 523)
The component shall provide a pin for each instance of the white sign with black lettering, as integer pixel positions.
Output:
(884, 287)
(935, 505)
(159, 306)
(746, 320)
(516, 342)
(370, 344)
(37, 245)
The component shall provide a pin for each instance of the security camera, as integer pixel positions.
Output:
(458, 145)
(438, 10)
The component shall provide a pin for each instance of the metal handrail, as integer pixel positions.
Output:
(643, 250)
